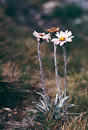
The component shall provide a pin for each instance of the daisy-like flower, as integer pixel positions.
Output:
(63, 37)
(53, 29)
(42, 36)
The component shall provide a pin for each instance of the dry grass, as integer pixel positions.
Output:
(77, 123)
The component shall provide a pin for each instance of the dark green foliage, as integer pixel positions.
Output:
(70, 11)
(73, 11)
(11, 10)
(82, 102)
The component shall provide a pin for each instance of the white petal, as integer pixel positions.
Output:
(58, 34)
(34, 33)
(55, 40)
(62, 43)
(42, 33)
(46, 37)
(66, 31)
(69, 40)
(69, 34)
(56, 43)
(38, 39)
(48, 34)
(62, 34)
(71, 37)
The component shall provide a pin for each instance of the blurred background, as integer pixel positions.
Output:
(19, 69)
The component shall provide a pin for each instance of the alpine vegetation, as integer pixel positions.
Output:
(51, 115)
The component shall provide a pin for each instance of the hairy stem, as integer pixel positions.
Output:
(56, 71)
(41, 68)
(65, 67)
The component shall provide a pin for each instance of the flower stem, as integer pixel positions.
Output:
(56, 71)
(65, 67)
(41, 68)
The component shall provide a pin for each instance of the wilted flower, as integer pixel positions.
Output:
(63, 37)
(53, 29)
(42, 36)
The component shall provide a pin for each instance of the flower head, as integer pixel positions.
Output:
(63, 37)
(53, 29)
(42, 36)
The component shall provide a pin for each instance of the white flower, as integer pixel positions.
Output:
(42, 36)
(63, 37)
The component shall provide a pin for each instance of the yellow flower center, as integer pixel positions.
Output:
(41, 34)
(62, 39)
